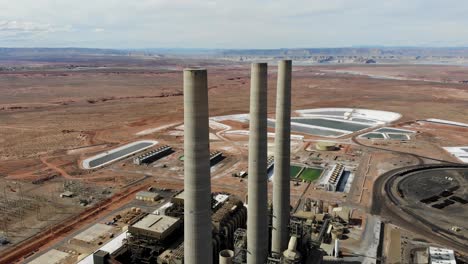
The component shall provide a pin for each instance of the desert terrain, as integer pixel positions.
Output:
(50, 111)
(53, 116)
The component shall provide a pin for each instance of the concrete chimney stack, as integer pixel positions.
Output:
(281, 178)
(197, 181)
(257, 210)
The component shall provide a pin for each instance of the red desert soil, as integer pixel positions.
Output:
(46, 115)
(60, 111)
(46, 238)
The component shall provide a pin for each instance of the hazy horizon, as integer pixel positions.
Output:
(234, 48)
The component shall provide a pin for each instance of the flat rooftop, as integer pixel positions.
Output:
(52, 256)
(117, 153)
(110, 247)
(94, 232)
(156, 223)
(147, 194)
(442, 256)
(180, 195)
(156, 226)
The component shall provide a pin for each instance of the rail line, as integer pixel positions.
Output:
(384, 200)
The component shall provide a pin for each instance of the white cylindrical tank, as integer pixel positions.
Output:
(290, 255)
(337, 248)
(226, 256)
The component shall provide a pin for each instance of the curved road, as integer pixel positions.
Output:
(419, 157)
(385, 203)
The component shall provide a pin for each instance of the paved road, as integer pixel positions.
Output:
(368, 249)
(383, 207)
(419, 157)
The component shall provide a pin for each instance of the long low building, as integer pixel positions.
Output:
(147, 196)
(117, 154)
(441, 256)
(152, 155)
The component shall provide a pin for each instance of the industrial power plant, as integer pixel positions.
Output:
(233, 132)
(201, 227)
(197, 209)
(245, 183)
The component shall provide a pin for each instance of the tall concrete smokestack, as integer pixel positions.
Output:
(281, 191)
(197, 182)
(257, 210)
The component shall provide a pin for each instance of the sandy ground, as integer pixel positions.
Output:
(82, 108)
(50, 121)
(428, 73)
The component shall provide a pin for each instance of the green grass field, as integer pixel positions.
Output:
(294, 171)
(311, 174)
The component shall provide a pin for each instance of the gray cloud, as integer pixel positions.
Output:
(30, 27)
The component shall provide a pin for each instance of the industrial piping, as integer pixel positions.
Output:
(281, 178)
(197, 182)
(257, 210)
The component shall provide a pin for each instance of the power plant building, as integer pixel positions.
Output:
(155, 226)
(200, 227)
(152, 155)
(218, 228)
(215, 157)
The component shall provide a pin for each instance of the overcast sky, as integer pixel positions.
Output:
(232, 23)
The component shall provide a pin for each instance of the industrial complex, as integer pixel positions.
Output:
(312, 186)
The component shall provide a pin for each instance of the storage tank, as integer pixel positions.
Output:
(325, 146)
(226, 256)
(290, 255)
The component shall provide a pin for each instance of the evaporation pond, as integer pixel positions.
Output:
(311, 130)
(398, 136)
(373, 135)
(393, 130)
(334, 124)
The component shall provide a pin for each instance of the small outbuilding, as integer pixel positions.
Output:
(325, 146)
(147, 196)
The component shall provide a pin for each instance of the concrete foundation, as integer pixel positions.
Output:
(257, 214)
(197, 181)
